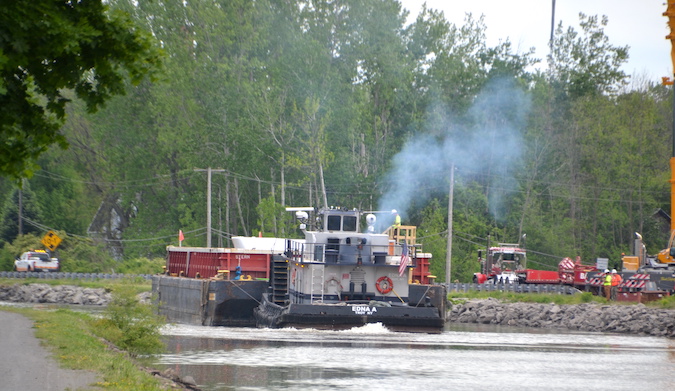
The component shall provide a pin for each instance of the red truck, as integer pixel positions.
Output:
(506, 264)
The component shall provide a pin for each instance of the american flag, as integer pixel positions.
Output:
(405, 259)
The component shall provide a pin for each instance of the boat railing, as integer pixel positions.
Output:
(340, 253)
(295, 250)
(403, 233)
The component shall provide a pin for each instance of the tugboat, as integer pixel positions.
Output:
(340, 277)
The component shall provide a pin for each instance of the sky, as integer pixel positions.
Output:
(639, 24)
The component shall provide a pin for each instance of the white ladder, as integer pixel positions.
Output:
(317, 283)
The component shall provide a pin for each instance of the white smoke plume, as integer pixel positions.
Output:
(487, 145)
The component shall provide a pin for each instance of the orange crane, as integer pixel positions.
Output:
(668, 255)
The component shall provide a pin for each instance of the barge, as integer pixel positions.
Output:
(212, 286)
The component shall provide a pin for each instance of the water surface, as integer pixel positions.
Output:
(463, 357)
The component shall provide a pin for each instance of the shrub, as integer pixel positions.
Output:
(129, 324)
(666, 303)
(586, 297)
(82, 255)
(141, 266)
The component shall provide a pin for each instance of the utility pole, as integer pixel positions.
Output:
(448, 256)
(550, 41)
(208, 201)
(20, 212)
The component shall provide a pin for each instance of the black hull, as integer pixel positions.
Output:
(349, 314)
(208, 302)
(244, 304)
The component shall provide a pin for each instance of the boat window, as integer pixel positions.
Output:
(349, 224)
(318, 252)
(333, 223)
(333, 244)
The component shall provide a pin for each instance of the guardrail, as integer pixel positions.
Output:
(515, 288)
(72, 276)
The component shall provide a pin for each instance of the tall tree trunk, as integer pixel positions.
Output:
(323, 186)
(241, 214)
(220, 217)
(274, 200)
(283, 179)
(311, 196)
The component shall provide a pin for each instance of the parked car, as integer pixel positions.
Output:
(35, 261)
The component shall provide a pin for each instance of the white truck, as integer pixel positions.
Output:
(35, 261)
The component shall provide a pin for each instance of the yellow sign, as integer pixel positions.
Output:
(51, 240)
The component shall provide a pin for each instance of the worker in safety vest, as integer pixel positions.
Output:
(616, 280)
(397, 222)
(607, 285)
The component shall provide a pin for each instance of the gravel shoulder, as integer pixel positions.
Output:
(26, 365)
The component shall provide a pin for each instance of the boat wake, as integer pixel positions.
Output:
(370, 328)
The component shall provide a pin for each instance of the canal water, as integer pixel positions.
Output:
(462, 357)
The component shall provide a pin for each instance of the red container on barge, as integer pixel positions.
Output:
(203, 262)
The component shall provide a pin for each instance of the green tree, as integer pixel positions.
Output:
(554, 204)
(31, 213)
(274, 220)
(587, 63)
(432, 233)
(51, 51)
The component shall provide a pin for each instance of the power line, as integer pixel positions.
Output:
(196, 232)
(153, 181)
(143, 182)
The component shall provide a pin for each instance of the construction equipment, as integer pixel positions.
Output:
(505, 264)
(644, 277)
(666, 256)
(643, 272)
(502, 265)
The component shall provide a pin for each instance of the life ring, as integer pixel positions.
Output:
(384, 285)
(334, 282)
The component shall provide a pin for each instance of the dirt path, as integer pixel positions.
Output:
(27, 366)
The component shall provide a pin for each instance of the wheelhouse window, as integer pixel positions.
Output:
(333, 223)
(349, 224)
(342, 223)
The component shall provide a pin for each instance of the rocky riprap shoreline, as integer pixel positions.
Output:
(632, 319)
(54, 294)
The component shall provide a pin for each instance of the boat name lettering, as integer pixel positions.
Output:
(242, 256)
(363, 310)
